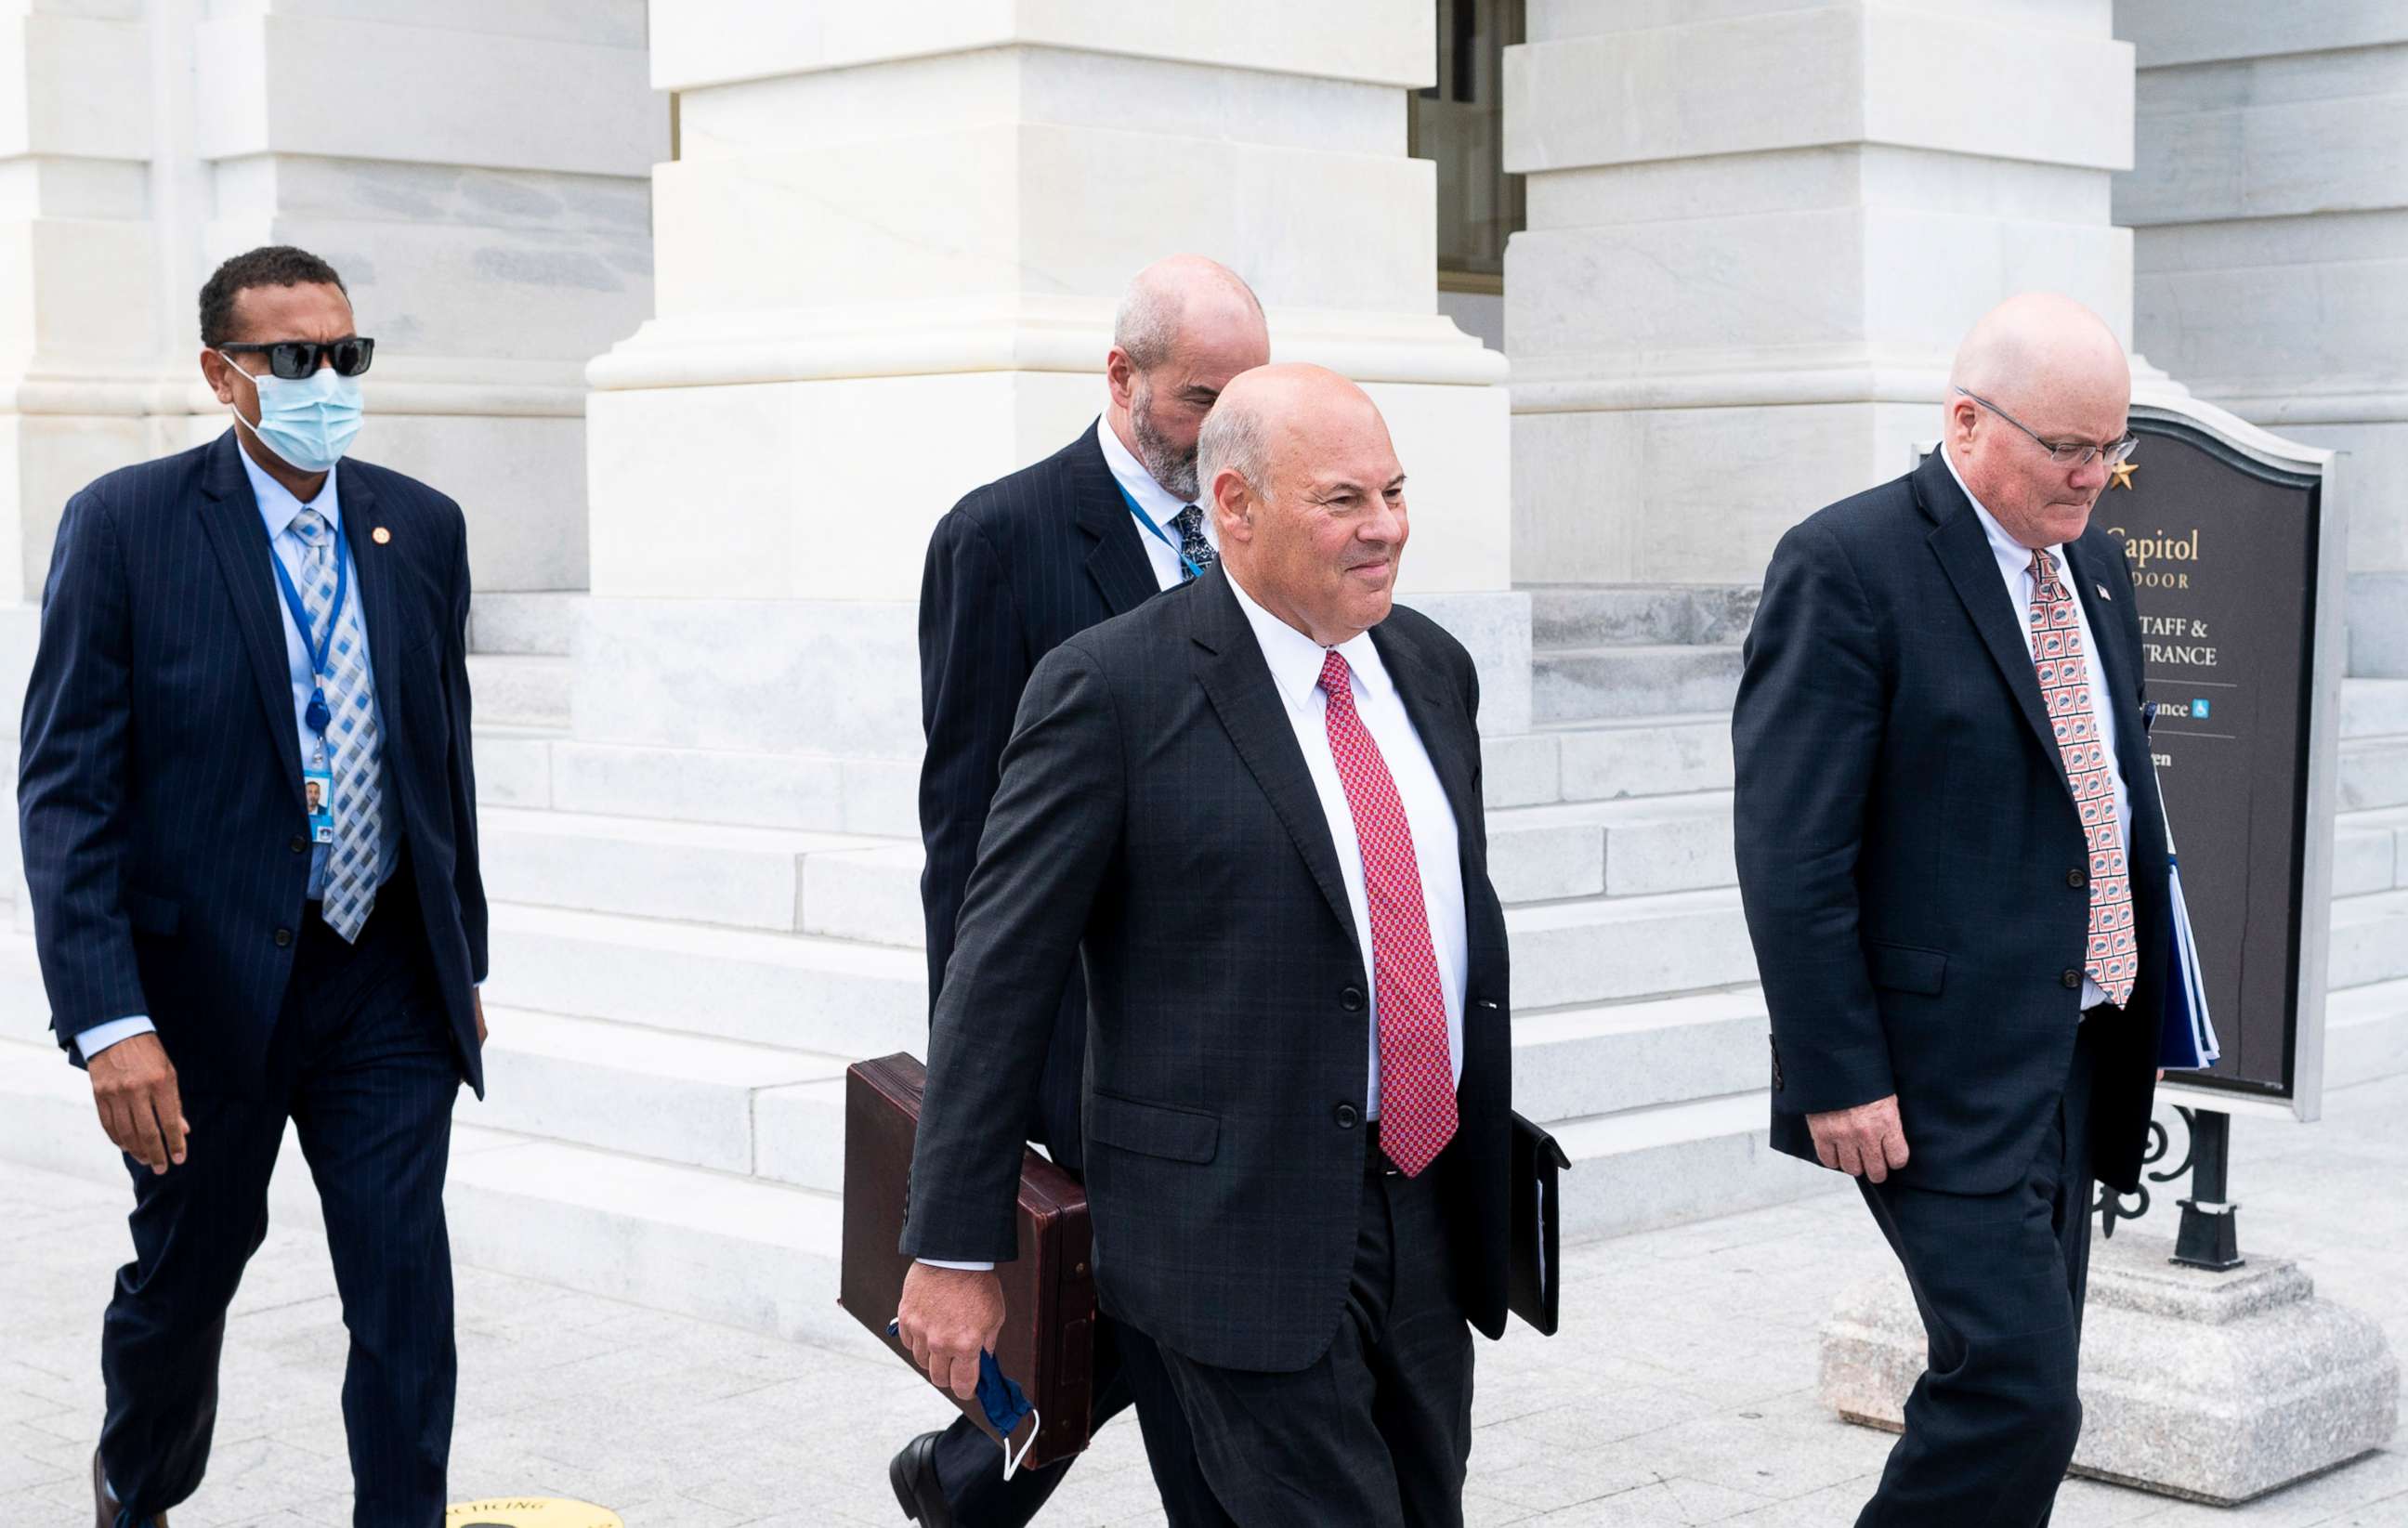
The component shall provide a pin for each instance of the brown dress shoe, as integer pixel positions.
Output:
(104, 1506)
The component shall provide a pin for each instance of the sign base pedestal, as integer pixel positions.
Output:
(2211, 1386)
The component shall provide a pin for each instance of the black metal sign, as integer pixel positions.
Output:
(2224, 551)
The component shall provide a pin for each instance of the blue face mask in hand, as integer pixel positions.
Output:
(1006, 1405)
(310, 424)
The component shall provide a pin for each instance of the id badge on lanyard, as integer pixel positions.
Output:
(317, 771)
(1186, 568)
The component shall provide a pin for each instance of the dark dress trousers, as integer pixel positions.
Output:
(167, 849)
(1156, 817)
(1016, 568)
(1916, 885)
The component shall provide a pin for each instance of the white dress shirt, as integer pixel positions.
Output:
(1296, 661)
(2015, 569)
(1154, 506)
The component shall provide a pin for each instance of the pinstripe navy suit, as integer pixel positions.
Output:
(165, 841)
(1015, 569)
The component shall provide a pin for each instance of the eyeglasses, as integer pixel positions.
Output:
(296, 360)
(2066, 453)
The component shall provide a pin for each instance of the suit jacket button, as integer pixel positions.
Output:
(299, 845)
(1347, 1116)
(2076, 880)
(1350, 999)
(284, 938)
(2072, 980)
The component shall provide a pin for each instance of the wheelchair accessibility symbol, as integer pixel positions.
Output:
(529, 1513)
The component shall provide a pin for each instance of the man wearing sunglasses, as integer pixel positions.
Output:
(1953, 859)
(239, 643)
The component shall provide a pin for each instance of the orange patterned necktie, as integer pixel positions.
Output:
(2112, 958)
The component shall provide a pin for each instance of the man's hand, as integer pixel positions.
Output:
(134, 1087)
(1866, 1141)
(949, 1316)
(477, 996)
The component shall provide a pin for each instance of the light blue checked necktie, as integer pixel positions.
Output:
(354, 744)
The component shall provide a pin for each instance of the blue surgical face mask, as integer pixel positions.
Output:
(310, 423)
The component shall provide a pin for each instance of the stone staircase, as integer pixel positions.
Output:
(674, 1002)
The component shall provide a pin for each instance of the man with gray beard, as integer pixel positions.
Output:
(1016, 568)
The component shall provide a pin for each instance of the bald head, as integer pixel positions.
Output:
(2040, 372)
(1308, 498)
(2039, 341)
(1180, 292)
(1185, 327)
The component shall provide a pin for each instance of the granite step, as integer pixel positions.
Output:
(519, 689)
(2366, 1033)
(801, 992)
(2366, 852)
(1600, 1059)
(1633, 847)
(2369, 939)
(1606, 761)
(1618, 948)
(1639, 615)
(2373, 707)
(690, 872)
(536, 624)
(1601, 683)
(545, 766)
(514, 765)
(2373, 773)
(649, 1093)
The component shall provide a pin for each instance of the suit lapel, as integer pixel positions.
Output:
(372, 568)
(230, 516)
(1964, 551)
(1432, 707)
(1229, 664)
(1123, 573)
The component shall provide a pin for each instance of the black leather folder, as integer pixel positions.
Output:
(1534, 1272)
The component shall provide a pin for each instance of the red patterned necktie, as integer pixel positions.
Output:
(2112, 958)
(1416, 1066)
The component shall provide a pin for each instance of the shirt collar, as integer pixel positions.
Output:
(1152, 500)
(1295, 660)
(276, 504)
(2013, 555)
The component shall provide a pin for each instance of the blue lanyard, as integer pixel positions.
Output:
(1157, 531)
(317, 716)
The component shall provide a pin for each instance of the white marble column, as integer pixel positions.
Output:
(78, 312)
(2269, 201)
(78, 315)
(1756, 232)
(475, 169)
(888, 258)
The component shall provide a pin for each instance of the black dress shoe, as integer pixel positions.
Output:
(914, 1476)
(106, 1507)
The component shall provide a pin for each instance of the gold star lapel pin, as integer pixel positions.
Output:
(2122, 473)
(381, 536)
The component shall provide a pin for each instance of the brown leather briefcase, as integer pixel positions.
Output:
(1047, 1344)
